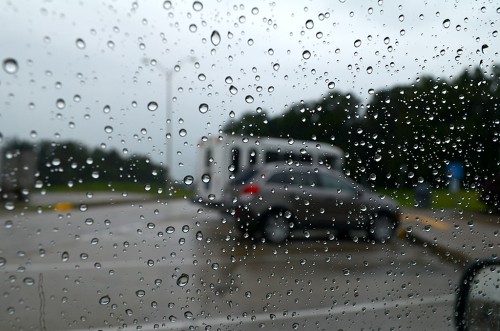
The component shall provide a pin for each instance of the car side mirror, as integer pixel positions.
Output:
(478, 301)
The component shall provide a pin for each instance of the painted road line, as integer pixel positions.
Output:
(316, 313)
(427, 220)
(63, 206)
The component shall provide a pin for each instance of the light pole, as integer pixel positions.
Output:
(169, 109)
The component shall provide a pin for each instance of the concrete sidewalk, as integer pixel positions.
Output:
(72, 200)
(461, 237)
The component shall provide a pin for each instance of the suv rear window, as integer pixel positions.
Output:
(297, 178)
(245, 176)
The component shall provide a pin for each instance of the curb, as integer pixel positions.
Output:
(445, 253)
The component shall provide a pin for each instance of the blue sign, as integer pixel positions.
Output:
(456, 170)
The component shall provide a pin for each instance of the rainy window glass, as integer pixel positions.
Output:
(337, 183)
(252, 157)
(177, 164)
(245, 176)
(235, 159)
(273, 157)
(327, 160)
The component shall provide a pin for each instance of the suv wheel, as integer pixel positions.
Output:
(276, 227)
(382, 229)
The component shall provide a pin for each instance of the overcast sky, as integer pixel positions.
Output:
(105, 61)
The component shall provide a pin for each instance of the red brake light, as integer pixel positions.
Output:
(251, 189)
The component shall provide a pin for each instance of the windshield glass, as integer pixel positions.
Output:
(124, 126)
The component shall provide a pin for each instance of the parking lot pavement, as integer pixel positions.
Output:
(460, 237)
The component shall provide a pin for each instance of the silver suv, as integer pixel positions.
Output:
(272, 199)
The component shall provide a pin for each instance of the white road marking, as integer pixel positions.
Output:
(301, 314)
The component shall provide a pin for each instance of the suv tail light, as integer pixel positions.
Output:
(251, 189)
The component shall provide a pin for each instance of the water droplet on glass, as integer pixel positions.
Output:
(215, 38)
(446, 23)
(104, 300)
(401, 18)
(197, 6)
(228, 80)
(152, 106)
(10, 66)
(306, 55)
(203, 108)
(60, 103)
(140, 293)
(319, 34)
(276, 66)
(205, 178)
(249, 99)
(369, 70)
(188, 180)
(65, 256)
(233, 90)
(108, 129)
(182, 132)
(232, 114)
(193, 28)
(9, 205)
(29, 281)
(357, 43)
(255, 10)
(182, 280)
(331, 85)
(199, 235)
(170, 230)
(167, 4)
(309, 24)
(80, 43)
(202, 77)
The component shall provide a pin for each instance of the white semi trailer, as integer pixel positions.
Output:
(221, 157)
